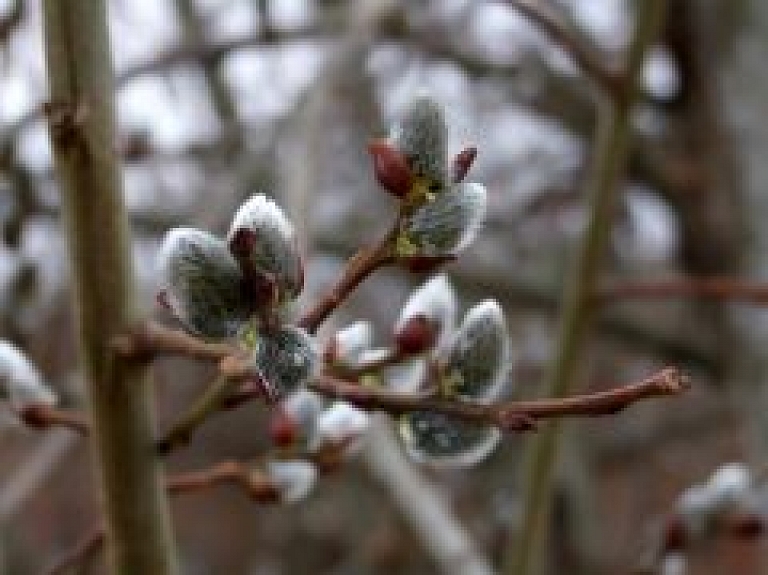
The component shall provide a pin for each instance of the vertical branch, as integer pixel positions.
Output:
(82, 124)
(610, 156)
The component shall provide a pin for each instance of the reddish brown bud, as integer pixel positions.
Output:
(747, 526)
(462, 163)
(425, 264)
(162, 300)
(283, 429)
(391, 167)
(675, 535)
(331, 351)
(417, 335)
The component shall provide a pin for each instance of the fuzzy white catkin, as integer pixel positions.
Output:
(443, 442)
(274, 251)
(293, 479)
(20, 381)
(673, 564)
(478, 358)
(436, 301)
(447, 224)
(421, 135)
(202, 283)
(285, 358)
(352, 342)
(340, 423)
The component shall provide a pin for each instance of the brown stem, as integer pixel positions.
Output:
(360, 266)
(721, 288)
(84, 549)
(549, 22)
(43, 416)
(511, 416)
(150, 339)
(257, 485)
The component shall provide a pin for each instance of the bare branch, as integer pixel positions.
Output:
(43, 416)
(719, 288)
(511, 416)
(548, 21)
(150, 339)
(359, 267)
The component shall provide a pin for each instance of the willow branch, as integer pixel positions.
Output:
(41, 416)
(551, 24)
(358, 268)
(611, 148)
(87, 547)
(81, 121)
(256, 484)
(149, 339)
(509, 416)
(718, 288)
(214, 399)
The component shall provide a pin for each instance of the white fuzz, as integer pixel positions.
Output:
(285, 358)
(274, 250)
(435, 300)
(202, 283)
(20, 381)
(730, 485)
(304, 407)
(261, 213)
(406, 376)
(446, 443)
(673, 564)
(478, 359)
(696, 506)
(446, 225)
(294, 479)
(341, 423)
(351, 343)
(421, 136)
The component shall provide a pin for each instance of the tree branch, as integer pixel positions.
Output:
(150, 339)
(358, 268)
(41, 416)
(81, 121)
(511, 416)
(550, 23)
(719, 288)
(611, 150)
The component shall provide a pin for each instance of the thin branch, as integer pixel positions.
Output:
(719, 288)
(41, 416)
(214, 399)
(81, 121)
(358, 268)
(150, 339)
(611, 150)
(257, 485)
(87, 547)
(510, 416)
(548, 21)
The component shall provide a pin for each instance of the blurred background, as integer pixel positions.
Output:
(218, 99)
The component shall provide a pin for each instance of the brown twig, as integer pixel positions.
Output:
(360, 266)
(85, 548)
(511, 416)
(43, 416)
(256, 484)
(549, 22)
(721, 288)
(150, 339)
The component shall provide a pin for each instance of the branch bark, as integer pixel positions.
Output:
(611, 146)
(82, 126)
